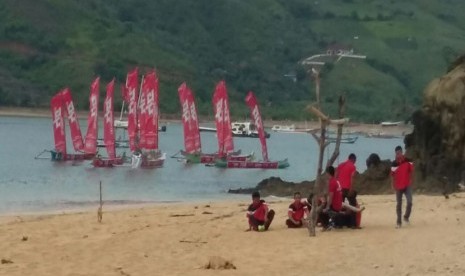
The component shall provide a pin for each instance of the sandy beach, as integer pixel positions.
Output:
(180, 238)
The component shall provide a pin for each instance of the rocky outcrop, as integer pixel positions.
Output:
(277, 187)
(375, 180)
(437, 143)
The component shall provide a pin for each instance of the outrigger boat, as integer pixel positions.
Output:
(60, 104)
(193, 150)
(145, 152)
(108, 133)
(266, 163)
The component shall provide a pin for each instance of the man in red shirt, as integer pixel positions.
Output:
(401, 183)
(334, 202)
(258, 214)
(297, 211)
(334, 199)
(344, 173)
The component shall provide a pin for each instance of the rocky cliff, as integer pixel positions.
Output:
(437, 143)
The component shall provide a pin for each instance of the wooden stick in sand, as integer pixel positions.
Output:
(99, 211)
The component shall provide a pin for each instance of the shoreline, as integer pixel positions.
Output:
(373, 130)
(180, 239)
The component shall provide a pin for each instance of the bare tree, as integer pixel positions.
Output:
(319, 186)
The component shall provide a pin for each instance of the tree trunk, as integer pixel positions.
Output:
(336, 151)
(318, 187)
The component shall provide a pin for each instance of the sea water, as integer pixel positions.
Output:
(36, 185)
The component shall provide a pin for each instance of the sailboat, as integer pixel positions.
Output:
(193, 150)
(108, 132)
(90, 142)
(266, 163)
(144, 147)
(61, 104)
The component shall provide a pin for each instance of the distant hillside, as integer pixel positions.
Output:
(254, 45)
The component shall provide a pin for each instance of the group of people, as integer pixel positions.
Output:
(339, 207)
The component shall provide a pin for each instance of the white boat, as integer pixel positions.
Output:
(389, 123)
(239, 129)
(283, 128)
(124, 124)
(118, 143)
(245, 129)
(207, 129)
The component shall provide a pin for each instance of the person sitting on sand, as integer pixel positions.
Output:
(334, 200)
(297, 210)
(258, 214)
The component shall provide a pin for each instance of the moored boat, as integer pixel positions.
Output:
(344, 140)
(249, 164)
(390, 123)
(192, 144)
(146, 153)
(246, 129)
(108, 133)
(62, 104)
(222, 163)
(283, 128)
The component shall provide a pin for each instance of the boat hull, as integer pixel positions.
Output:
(252, 164)
(149, 161)
(344, 140)
(210, 158)
(58, 156)
(107, 162)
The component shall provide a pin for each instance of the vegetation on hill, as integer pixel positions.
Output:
(253, 45)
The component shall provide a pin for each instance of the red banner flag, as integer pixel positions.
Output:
(76, 135)
(90, 145)
(150, 120)
(56, 104)
(108, 130)
(189, 120)
(132, 95)
(194, 121)
(222, 119)
(257, 118)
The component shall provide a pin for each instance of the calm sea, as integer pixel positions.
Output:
(37, 185)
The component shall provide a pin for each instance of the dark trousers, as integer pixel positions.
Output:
(351, 196)
(351, 219)
(324, 217)
(291, 224)
(255, 222)
(408, 195)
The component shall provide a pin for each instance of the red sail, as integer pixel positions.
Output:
(76, 135)
(194, 121)
(90, 145)
(223, 122)
(56, 105)
(131, 88)
(108, 130)
(189, 120)
(257, 118)
(142, 115)
(150, 122)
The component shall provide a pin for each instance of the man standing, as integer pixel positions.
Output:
(297, 211)
(344, 173)
(258, 214)
(401, 183)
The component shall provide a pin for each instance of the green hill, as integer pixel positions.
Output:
(253, 45)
